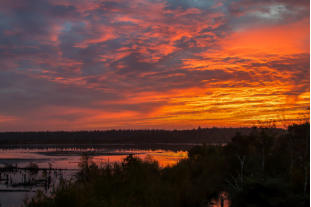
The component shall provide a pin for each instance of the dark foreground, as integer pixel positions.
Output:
(259, 169)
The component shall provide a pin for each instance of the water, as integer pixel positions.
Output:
(24, 171)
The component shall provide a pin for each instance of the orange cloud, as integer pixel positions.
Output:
(273, 40)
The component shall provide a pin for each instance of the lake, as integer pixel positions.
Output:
(26, 170)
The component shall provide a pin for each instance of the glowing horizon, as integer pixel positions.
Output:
(171, 64)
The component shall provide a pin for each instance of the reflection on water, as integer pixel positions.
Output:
(18, 181)
(70, 157)
(163, 157)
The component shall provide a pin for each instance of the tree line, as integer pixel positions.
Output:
(199, 135)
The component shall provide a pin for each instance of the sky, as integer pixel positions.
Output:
(171, 64)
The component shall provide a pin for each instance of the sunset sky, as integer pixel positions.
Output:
(97, 64)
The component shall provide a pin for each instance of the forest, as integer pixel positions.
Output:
(262, 168)
(198, 135)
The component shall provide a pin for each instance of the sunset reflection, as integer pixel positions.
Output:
(163, 157)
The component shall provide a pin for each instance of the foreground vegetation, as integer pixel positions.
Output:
(259, 169)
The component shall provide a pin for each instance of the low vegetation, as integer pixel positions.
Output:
(258, 169)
